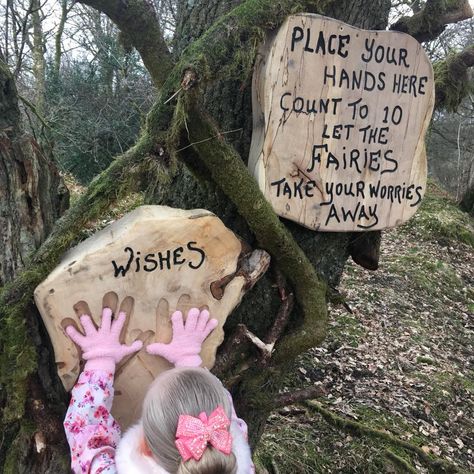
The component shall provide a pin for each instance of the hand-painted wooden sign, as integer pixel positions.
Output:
(340, 116)
(149, 263)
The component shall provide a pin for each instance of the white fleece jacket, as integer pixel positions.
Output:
(130, 460)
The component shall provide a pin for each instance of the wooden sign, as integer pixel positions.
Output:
(340, 116)
(149, 263)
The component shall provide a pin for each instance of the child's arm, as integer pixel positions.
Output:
(184, 350)
(91, 431)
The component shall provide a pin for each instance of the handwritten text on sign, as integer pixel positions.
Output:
(340, 116)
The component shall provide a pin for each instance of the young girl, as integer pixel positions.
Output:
(188, 423)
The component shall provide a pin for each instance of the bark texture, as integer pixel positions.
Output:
(228, 101)
(32, 194)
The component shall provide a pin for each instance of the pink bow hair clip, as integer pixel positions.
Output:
(193, 434)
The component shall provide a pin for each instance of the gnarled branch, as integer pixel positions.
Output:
(431, 20)
(451, 79)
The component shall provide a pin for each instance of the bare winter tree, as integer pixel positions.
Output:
(185, 157)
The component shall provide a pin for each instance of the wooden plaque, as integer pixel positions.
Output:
(151, 262)
(340, 116)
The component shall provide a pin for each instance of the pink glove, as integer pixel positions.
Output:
(184, 348)
(101, 347)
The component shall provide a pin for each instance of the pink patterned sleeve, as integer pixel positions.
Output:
(91, 431)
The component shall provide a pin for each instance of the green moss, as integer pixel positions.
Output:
(425, 360)
(230, 173)
(439, 217)
(347, 328)
(16, 450)
(451, 82)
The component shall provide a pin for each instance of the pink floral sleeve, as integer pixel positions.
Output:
(91, 431)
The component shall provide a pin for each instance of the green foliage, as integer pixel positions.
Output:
(95, 111)
(439, 217)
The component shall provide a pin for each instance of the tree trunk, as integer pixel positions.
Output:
(32, 194)
(229, 103)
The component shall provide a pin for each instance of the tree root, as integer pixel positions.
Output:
(403, 464)
(437, 465)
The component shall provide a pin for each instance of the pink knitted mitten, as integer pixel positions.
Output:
(101, 347)
(184, 348)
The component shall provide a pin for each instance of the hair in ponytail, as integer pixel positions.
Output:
(189, 391)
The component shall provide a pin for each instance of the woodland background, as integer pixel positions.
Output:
(85, 125)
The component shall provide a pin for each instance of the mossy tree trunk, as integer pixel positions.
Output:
(228, 101)
(32, 194)
(219, 52)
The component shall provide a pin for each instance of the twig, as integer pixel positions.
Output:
(231, 352)
(173, 96)
(208, 139)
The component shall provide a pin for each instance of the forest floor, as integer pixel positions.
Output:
(398, 358)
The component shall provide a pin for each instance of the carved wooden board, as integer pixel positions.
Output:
(151, 262)
(340, 116)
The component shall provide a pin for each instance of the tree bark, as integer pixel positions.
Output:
(32, 194)
(228, 101)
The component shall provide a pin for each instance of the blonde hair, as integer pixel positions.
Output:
(187, 391)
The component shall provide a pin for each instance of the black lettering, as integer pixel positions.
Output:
(360, 185)
(316, 158)
(149, 259)
(308, 39)
(278, 183)
(344, 40)
(331, 49)
(162, 258)
(191, 246)
(332, 214)
(297, 189)
(387, 156)
(329, 188)
(370, 50)
(296, 36)
(176, 255)
(286, 190)
(298, 109)
(403, 56)
(310, 185)
(321, 44)
(285, 109)
(381, 84)
(421, 85)
(418, 192)
(346, 214)
(379, 54)
(332, 76)
(355, 155)
(121, 269)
